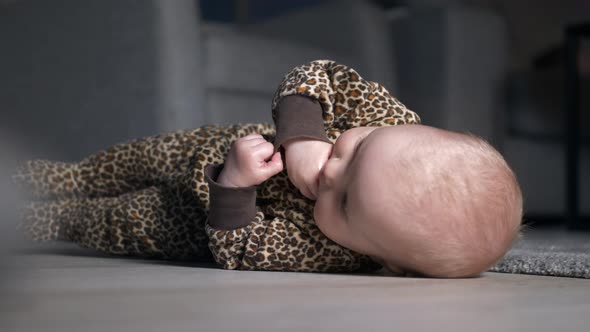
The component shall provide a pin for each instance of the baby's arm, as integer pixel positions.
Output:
(323, 97)
(315, 103)
(244, 237)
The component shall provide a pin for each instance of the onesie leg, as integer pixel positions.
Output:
(119, 169)
(152, 222)
(47, 179)
(153, 161)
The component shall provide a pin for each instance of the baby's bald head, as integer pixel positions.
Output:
(462, 198)
(427, 201)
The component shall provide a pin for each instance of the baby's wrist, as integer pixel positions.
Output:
(226, 180)
(296, 141)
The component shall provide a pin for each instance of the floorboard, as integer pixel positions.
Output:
(63, 288)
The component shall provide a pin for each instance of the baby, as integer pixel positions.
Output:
(416, 199)
(345, 186)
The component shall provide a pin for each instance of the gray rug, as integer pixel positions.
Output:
(550, 252)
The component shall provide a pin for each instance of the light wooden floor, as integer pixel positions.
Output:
(66, 289)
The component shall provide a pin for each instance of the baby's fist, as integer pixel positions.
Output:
(305, 158)
(250, 161)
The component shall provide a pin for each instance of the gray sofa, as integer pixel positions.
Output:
(90, 74)
(453, 63)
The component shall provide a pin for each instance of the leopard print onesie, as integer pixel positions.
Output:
(150, 197)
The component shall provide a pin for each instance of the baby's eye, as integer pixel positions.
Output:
(343, 203)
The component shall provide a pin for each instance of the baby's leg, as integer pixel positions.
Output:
(47, 179)
(117, 170)
(149, 223)
(153, 161)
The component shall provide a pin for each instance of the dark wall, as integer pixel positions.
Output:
(76, 78)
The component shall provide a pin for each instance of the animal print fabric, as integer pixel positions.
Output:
(147, 197)
(150, 197)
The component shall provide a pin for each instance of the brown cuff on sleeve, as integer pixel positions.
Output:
(229, 208)
(299, 117)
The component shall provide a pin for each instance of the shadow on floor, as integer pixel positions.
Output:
(68, 250)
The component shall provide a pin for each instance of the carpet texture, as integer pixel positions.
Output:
(551, 252)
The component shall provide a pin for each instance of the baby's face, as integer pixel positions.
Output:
(354, 193)
(415, 212)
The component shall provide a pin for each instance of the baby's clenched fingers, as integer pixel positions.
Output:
(245, 144)
(252, 137)
(263, 149)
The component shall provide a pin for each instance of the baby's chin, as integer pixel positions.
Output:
(320, 222)
(315, 214)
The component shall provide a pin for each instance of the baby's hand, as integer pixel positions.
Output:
(305, 158)
(250, 161)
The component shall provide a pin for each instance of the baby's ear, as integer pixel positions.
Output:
(394, 269)
(398, 271)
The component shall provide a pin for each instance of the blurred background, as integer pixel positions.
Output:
(78, 76)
